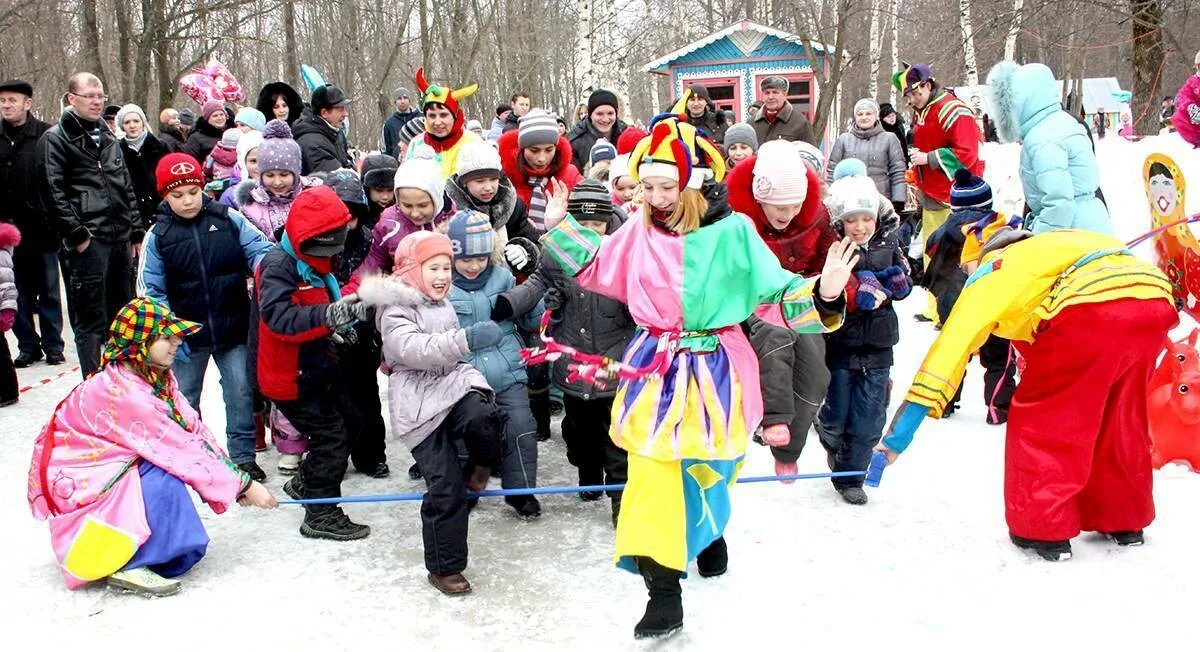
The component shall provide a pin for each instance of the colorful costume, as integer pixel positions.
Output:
(685, 429)
(109, 470)
(1078, 452)
(445, 149)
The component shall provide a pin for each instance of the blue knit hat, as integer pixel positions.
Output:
(970, 191)
(849, 167)
(602, 151)
(470, 234)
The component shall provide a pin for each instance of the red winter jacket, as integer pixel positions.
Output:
(509, 153)
(803, 245)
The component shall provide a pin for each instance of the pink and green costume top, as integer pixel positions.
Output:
(697, 287)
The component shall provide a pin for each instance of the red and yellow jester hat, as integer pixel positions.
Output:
(675, 149)
(434, 94)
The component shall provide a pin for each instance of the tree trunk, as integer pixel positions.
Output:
(895, 50)
(970, 65)
(125, 59)
(90, 51)
(583, 45)
(292, 59)
(876, 48)
(1010, 41)
(1147, 63)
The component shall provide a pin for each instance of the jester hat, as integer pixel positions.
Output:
(675, 149)
(139, 322)
(435, 94)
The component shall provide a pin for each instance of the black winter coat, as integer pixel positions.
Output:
(86, 188)
(866, 337)
(202, 140)
(171, 138)
(142, 164)
(322, 148)
(505, 210)
(19, 200)
(582, 136)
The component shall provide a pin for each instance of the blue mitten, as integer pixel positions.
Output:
(896, 281)
(871, 292)
(483, 334)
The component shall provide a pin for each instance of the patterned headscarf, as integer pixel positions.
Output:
(138, 323)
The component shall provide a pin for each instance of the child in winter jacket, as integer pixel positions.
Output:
(266, 203)
(952, 246)
(378, 176)
(478, 284)
(437, 401)
(859, 354)
(624, 190)
(480, 185)
(195, 259)
(10, 237)
(299, 319)
(532, 156)
(740, 143)
(791, 219)
(591, 323)
(111, 469)
(220, 162)
(246, 171)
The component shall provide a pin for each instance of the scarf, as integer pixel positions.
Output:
(310, 274)
(473, 284)
(537, 202)
(771, 115)
(136, 143)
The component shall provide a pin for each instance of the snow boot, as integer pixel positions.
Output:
(330, 522)
(713, 561)
(376, 470)
(414, 472)
(294, 487)
(260, 432)
(289, 464)
(1048, 550)
(453, 585)
(664, 611)
(853, 495)
(527, 507)
(1127, 537)
(143, 581)
(253, 470)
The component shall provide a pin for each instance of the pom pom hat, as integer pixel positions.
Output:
(675, 149)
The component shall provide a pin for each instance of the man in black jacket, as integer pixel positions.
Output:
(89, 195)
(323, 146)
(390, 139)
(35, 262)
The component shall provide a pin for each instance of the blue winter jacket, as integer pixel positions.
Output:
(1058, 165)
(500, 364)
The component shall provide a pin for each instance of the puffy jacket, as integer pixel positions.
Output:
(322, 148)
(201, 140)
(500, 364)
(10, 237)
(866, 337)
(504, 211)
(86, 188)
(1186, 118)
(803, 245)
(590, 322)
(199, 266)
(424, 352)
(1058, 166)
(19, 201)
(564, 171)
(393, 225)
(881, 152)
(581, 137)
(142, 163)
(267, 212)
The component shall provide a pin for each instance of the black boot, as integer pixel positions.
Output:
(253, 470)
(330, 522)
(539, 403)
(1127, 537)
(1048, 550)
(664, 611)
(374, 469)
(414, 472)
(713, 560)
(527, 507)
(294, 487)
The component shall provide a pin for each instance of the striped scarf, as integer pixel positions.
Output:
(537, 203)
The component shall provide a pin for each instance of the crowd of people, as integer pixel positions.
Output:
(676, 291)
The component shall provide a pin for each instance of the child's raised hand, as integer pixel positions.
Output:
(258, 496)
(839, 264)
(556, 203)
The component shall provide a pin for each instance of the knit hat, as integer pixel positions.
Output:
(138, 322)
(776, 82)
(379, 171)
(413, 251)
(251, 117)
(400, 92)
(629, 138)
(977, 236)
(852, 196)
(741, 133)
(346, 184)
(435, 94)
(278, 150)
(590, 200)
(776, 178)
(131, 108)
(478, 159)
(537, 128)
(599, 98)
(423, 174)
(475, 125)
(676, 150)
(618, 168)
(602, 151)
(177, 169)
(230, 138)
(471, 234)
(412, 129)
(813, 157)
(849, 167)
(249, 142)
(187, 118)
(907, 80)
(210, 107)
(867, 104)
(698, 90)
(17, 86)
(970, 191)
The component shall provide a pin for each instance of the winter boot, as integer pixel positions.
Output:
(1048, 550)
(414, 472)
(588, 478)
(713, 560)
(377, 470)
(143, 581)
(527, 507)
(853, 495)
(330, 522)
(1127, 537)
(294, 487)
(664, 611)
(260, 432)
(253, 470)
(289, 464)
(453, 585)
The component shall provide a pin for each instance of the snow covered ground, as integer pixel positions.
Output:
(926, 563)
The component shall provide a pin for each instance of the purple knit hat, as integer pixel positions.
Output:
(278, 150)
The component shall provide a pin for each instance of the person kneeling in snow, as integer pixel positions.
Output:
(1078, 454)
(110, 470)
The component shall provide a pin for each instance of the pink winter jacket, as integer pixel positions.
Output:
(265, 211)
(84, 461)
(393, 225)
(1187, 111)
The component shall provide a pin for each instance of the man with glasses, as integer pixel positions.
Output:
(89, 195)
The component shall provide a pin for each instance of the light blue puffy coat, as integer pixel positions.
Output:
(1058, 164)
(500, 364)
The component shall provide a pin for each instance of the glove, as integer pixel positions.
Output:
(503, 310)
(899, 206)
(482, 334)
(7, 317)
(344, 312)
(555, 299)
(895, 281)
(871, 293)
(515, 255)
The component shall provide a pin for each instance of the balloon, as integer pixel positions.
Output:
(312, 78)
(1174, 405)
(212, 82)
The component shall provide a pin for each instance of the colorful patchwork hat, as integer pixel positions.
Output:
(141, 320)
(677, 150)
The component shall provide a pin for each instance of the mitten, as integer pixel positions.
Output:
(483, 334)
(503, 309)
(895, 281)
(871, 293)
(344, 312)
(7, 317)
(554, 299)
